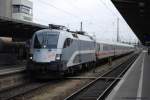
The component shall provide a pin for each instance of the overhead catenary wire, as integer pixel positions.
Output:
(108, 8)
(103, 2)
(59, 9)
(76, 16)
(64, 11)
(117, 18)
(71, 4)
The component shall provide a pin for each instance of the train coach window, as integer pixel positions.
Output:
(67, 42)
(106, 47)
(98, 47)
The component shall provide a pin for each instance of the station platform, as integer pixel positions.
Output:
(135, 84)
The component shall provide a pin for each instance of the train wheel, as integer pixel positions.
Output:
(80, 67)
(71, 71)
(84, 67)
(109, 61)
(94, 67)
(89, 65)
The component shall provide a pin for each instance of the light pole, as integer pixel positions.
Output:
(118, 30)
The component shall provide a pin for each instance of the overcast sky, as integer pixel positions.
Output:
(99, 17)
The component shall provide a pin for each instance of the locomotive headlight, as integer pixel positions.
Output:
(58, 56)
(31, 58)
(44, 46)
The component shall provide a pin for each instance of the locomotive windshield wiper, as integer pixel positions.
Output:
(37, 43)
(43, 40)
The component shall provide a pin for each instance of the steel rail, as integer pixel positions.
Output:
(78, 92)
(20, 90)
(108, 90)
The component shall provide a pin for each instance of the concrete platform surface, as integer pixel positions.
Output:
(135, 84)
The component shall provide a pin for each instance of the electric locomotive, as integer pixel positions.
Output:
(56, 51)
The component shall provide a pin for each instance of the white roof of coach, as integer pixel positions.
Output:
(113, 43)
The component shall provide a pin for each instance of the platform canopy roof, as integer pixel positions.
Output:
(17, 28)
(137, 15)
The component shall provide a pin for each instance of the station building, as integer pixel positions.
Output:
(17, 9)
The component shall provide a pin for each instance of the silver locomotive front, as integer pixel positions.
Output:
(45, 46)
(45, 57)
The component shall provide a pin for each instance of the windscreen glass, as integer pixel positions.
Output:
(46, 40)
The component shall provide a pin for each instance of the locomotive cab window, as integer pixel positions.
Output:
(46, 40)
(67, 42)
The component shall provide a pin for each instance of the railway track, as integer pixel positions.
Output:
(14, 82)
(12, 76)
(15, 92)
(18, 91)
(11, 70)
(102, 86)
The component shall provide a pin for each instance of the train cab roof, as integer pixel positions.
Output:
(68, 34)
(46, 30)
